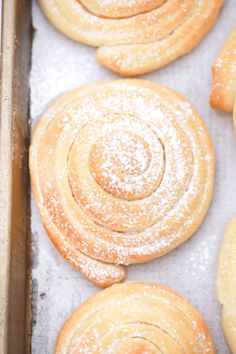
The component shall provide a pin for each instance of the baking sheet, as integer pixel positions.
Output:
(58, 65)
(14, 180)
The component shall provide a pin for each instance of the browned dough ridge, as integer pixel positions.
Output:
(136, 36)
(135, 318)
(122, 173)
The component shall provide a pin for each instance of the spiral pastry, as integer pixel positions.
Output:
(223, 94)
(146, 318)
(135, 36)
(226, 283)
(122, 173)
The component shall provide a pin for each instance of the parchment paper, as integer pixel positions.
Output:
(58, 65)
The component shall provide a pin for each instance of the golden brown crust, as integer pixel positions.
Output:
(121, 8)
(226, 283)
(137, 36)
(135, 318)
(224, 76)
(122, 173)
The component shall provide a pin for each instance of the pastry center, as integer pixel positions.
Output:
(118, 162)
(127, 162)
(124, 153)
(120, 8)
(136, 346)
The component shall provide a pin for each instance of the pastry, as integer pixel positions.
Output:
(223, 94)
(135, 318)
(122, 173)
(224, 76)
(226, 284)
(134, 37)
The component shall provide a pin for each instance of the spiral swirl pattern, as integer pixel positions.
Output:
(146, 318)
(122, 173)
(135, 36)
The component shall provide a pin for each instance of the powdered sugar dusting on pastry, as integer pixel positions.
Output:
(146, 317)
(115, 206)
(136, 36)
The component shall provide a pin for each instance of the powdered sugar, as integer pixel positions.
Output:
(162, 197)
(60, 65)
(145, 316)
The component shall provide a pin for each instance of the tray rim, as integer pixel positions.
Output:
(15, 250)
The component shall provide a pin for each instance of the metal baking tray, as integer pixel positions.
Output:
(15, 313)
(55, 66)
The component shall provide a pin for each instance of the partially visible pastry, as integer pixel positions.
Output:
(135, 318)
(223, 94)
(226, 284)
(135, 36)
(122, 173)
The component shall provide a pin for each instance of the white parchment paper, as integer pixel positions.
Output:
(58, 65)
